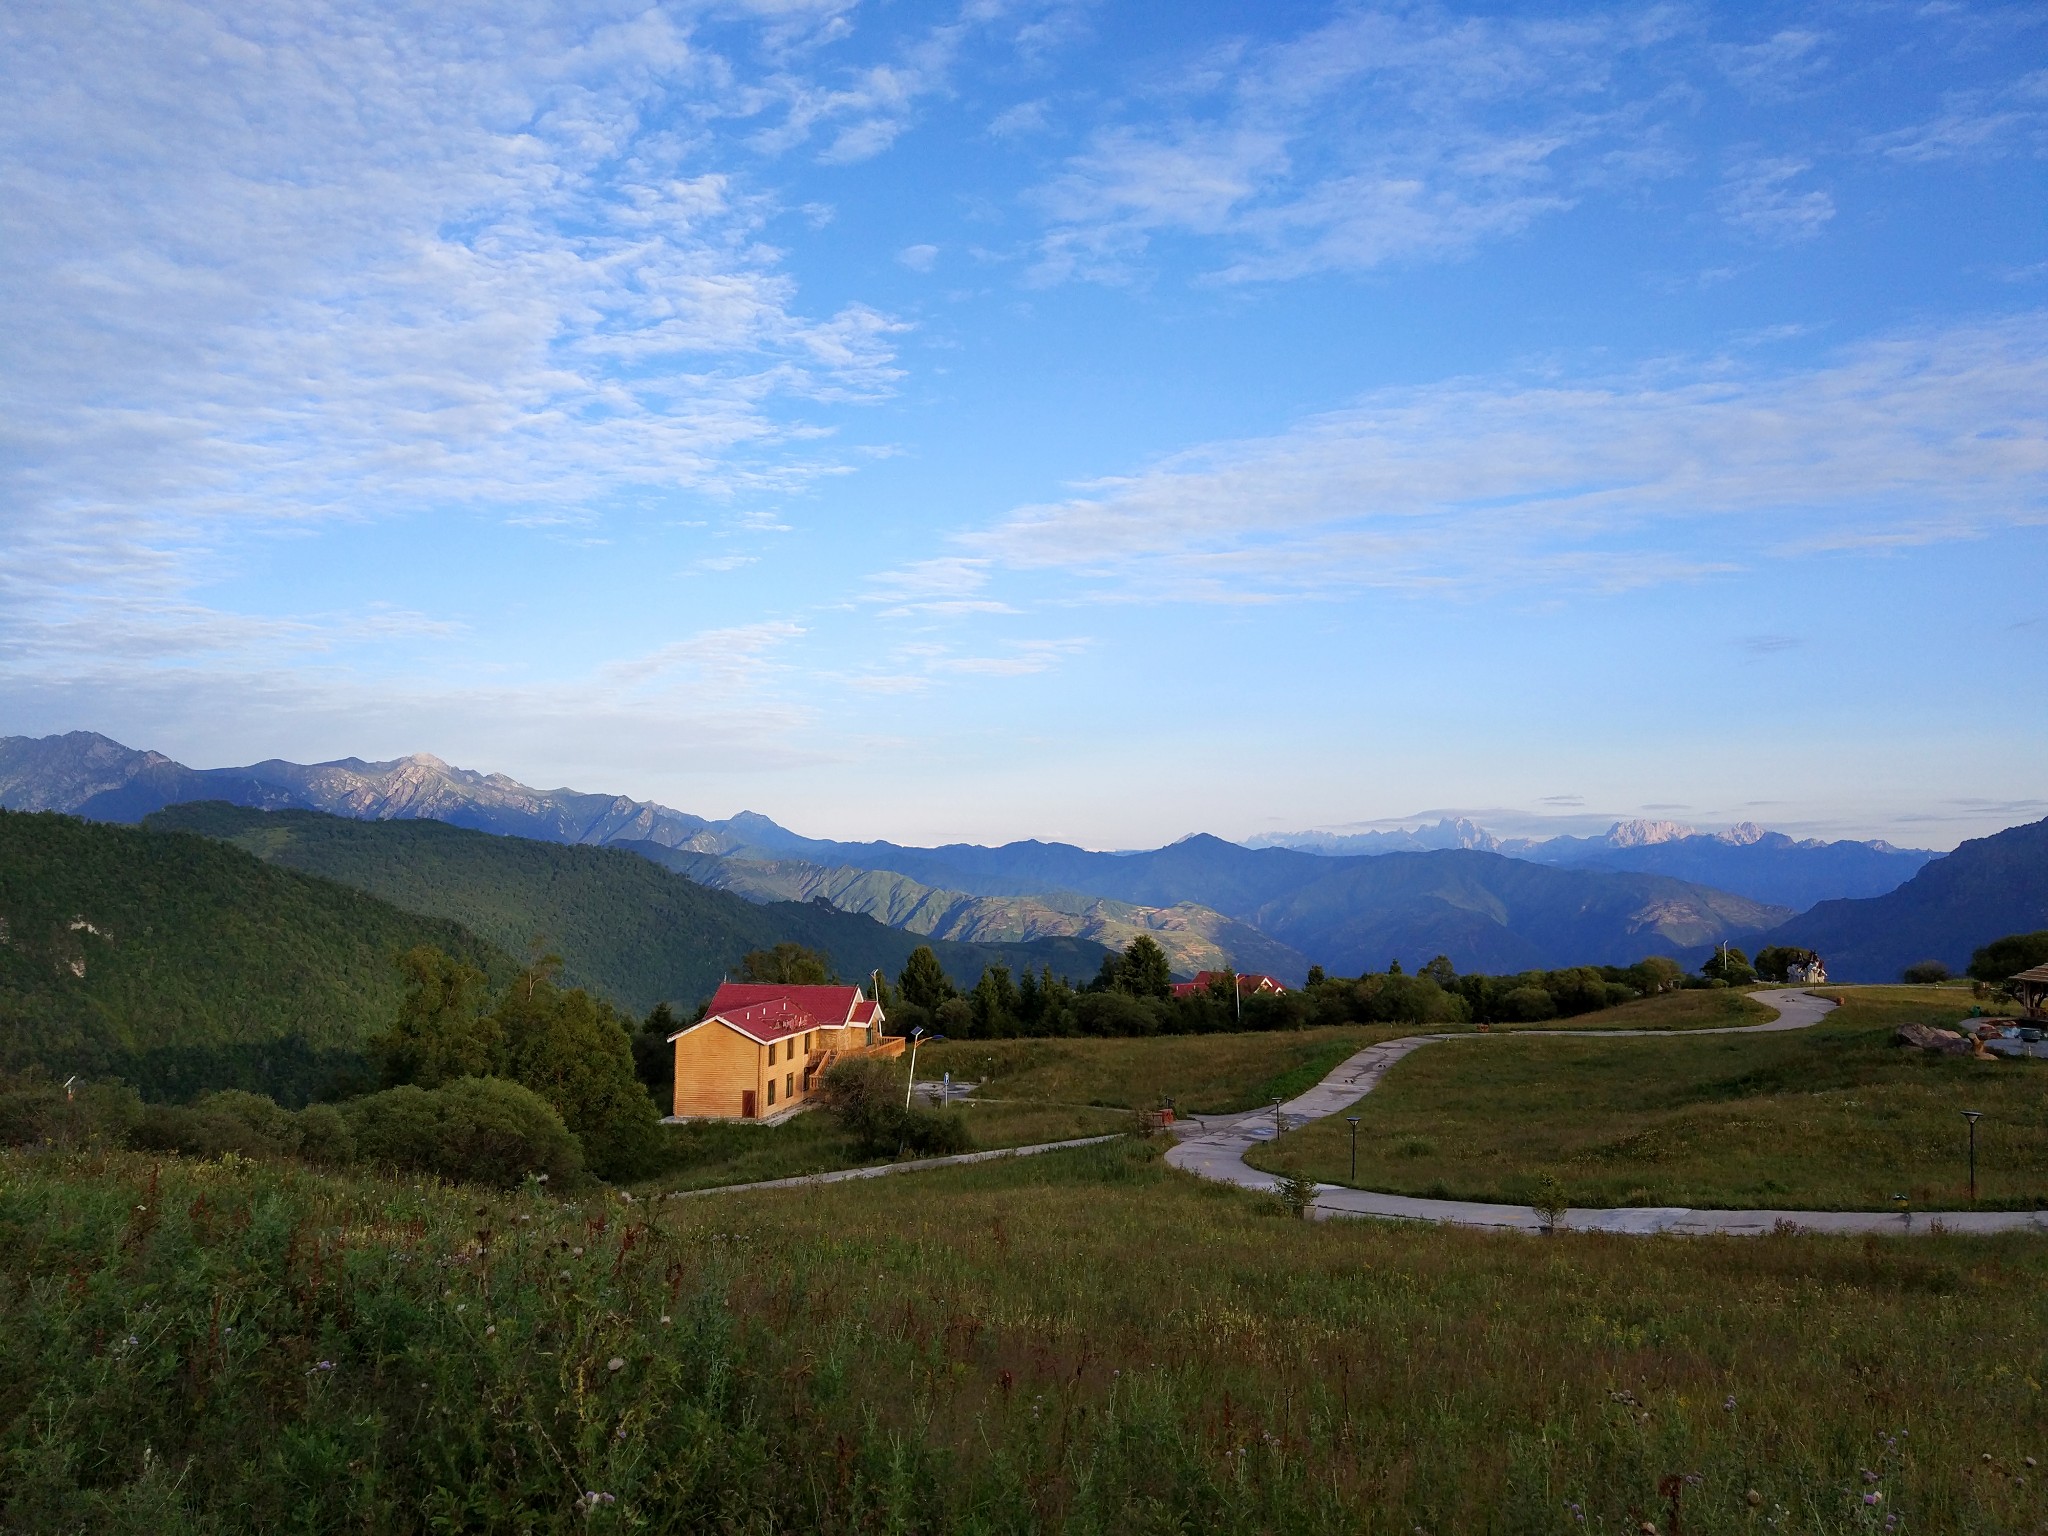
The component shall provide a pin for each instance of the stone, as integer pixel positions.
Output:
(1926, 1037)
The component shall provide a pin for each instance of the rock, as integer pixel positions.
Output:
(1926, 1037)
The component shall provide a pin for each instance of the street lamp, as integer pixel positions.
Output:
(1279, 1120)
(916, 1035)
(1354, 1146)
(1971, 1116)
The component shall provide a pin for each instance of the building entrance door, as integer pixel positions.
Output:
(746, 1103)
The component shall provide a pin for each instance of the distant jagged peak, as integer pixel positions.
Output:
(1742, 834)
(1640, 834)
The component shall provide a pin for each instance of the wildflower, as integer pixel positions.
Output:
(1873, 1498)
(591, 1500)
(616, 1363)
(1755, 1499)
(2030, 1461)
(664, 1319)
(576, 1253)
(1869, 1476)
(1729, 1405)
(565, 1274)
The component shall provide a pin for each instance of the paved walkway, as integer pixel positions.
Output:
(882, 1170)
(1216, 1149)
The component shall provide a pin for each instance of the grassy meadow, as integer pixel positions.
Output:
(711, 1152)
(1201, 1074)
(1704, 1008)
(1082, 1342)
(1827, 1118)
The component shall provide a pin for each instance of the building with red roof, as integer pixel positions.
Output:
(1249, 984)
(762, 1048)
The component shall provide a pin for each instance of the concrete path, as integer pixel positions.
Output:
(882, 1170)
(1217, 1145)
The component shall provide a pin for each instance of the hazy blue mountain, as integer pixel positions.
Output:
(1746, 859)
(1989, 887)
(1195, 937)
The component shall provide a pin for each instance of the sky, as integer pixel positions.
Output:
(1042, 418)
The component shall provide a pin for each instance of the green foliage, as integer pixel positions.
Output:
(865, 1096)
(787, 963)
(2007, 957)
(182, 964)
(627, 929)
(1774, 962)
(1297, 1191)
(995, 1002)
(1926, 973)
(442, 1031)
(1143, 970)
(1729, 966)
(1440, 970)
(476, 1129)
(924, 980)
(37, 1110)
(654, 1058)
(575, 1052)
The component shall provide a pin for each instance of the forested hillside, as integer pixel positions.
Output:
(626, 929)
(181, 963)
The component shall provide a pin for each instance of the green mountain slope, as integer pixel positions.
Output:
(181, 963)
(1194, 937)
(1989, 887)
(625, 929)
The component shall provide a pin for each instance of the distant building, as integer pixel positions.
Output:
(1807, 973)
(1249, 984)
(2030, 989)
(761, 1050)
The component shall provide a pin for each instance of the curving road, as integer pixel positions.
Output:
(1216, 1151)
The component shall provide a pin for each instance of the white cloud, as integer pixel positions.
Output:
(919, 258)
(294, 263)
(1758, 198)
(1505, 484)
(1978, 125)
(1375, 137)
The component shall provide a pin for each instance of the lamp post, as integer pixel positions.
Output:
(1354, 1147)
(1971, 1115)
(916, 1035)
(1279, 1121)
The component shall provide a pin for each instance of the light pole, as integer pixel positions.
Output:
(1279, 1120)
(1971, 1116)
(1354, 1147)
(916, 1035)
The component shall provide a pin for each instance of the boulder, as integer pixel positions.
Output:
(1926, 1037)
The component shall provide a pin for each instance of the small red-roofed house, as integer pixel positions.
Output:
(1249, 984)
(761, 1049)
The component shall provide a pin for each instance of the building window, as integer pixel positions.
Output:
(789, 1085)
(771, 1055)
(771, 1090)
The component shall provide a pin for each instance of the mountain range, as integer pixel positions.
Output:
(1988, 888)
(1746, 858)
(1344, 903)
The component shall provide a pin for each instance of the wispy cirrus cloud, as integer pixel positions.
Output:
(1379, 135)
(1758, 197)
(1604, 484)
(286, 265)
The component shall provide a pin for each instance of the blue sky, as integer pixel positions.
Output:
(1077, 420)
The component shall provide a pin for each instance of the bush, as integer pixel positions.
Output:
(2007, 957)
(247, 1124)
(1926, 973)
(865, 1095)
(35, 1110)
(1528, 1005)
(477, 1129)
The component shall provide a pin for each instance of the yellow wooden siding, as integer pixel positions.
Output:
(714, 1067)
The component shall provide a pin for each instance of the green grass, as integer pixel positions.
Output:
(711, 1152)
(1082, 1342)
(1706, 1008)
(1202, 1074)
(1828, 1118)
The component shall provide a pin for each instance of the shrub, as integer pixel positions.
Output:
(1527, 1005)
(247, 1124)
(1926, 973)
(2007, 957)
(35, 1109)
(478, 1129)
(324, 1136)
(865, 1095)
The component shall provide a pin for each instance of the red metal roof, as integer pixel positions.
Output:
(1248, 982)
(772, 1020)
(831, 1007)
